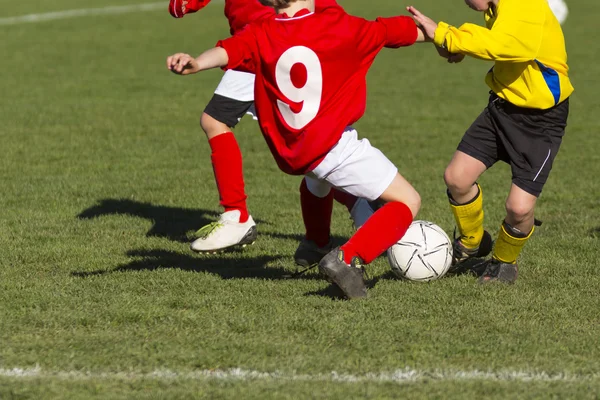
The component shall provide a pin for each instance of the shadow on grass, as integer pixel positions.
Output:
(226, 268)
(331, 291)
(337, 240)
(335, 293)
(173, 223)
(595, 232)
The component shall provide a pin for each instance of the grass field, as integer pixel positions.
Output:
(105, 174)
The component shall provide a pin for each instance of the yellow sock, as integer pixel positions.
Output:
(469, 219)
(508, 247)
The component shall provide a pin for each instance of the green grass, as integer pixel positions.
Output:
(105, 174)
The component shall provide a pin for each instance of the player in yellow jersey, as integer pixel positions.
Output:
(522, 125)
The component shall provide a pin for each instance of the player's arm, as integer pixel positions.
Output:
(514, 37)
(179, 8)
(494, 44)
(242, 50)
(236, 52)
(401, 31)
(421, 36)
(372, 36)
(184, 64)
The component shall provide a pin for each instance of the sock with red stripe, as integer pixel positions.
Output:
(227, 165)
(379, 233)
(316, 213)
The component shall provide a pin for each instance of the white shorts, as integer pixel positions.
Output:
(236, 85)
(353, 166)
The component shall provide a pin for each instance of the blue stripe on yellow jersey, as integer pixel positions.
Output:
(527, 44)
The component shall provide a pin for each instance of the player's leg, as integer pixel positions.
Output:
(225, 109)
(532, 140)
(476, 152)
(344, 265)
(365, 172)
(360, 209)
(316, 200)
(387, 225)
(515, 231)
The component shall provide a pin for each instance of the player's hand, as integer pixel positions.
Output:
(429, 26)
(182, 64)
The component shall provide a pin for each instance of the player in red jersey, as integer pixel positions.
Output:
(233, 98)
(310, 87)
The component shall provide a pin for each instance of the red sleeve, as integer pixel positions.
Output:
(400, 31)
(241, 50)
(383, 32)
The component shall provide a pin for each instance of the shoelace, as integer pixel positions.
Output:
(358, 264)
(207, 230)
(301, 272)
(306, 269)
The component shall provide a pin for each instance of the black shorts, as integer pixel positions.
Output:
(228, 111)
(526, 139)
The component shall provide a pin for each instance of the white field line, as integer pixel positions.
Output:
(83, 12)
(237, 374)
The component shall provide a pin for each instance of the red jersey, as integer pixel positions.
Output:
(311, 76)
(240, 13)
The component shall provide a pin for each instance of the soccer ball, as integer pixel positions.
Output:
(423, 254)
(560, 10)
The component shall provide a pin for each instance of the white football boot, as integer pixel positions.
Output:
(361, 212)
(225, 233)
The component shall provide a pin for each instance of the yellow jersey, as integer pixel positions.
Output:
(527, 44)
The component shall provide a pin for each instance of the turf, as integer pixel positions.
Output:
(106, 174)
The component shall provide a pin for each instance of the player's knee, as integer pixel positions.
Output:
(412, 201)
(211, 126)
(519, 211)
(415, 205)
(402, 191)
(455, 180)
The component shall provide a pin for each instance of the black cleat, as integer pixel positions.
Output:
(460, 254)
(349, 278)
(496, 271)
(308, 253)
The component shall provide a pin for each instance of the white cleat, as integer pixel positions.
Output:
(361, 212)
(225, 233)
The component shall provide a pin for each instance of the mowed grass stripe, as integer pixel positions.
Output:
(406, 375)
(106, 172)
(82, 12)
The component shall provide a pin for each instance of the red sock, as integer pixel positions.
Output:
(379, 233)
(227, 165)
(344, 198)
(316, 213)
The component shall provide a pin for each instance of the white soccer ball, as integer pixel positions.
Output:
(423, 254)
(560, 9)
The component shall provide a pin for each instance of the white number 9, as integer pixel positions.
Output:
(309, 94)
